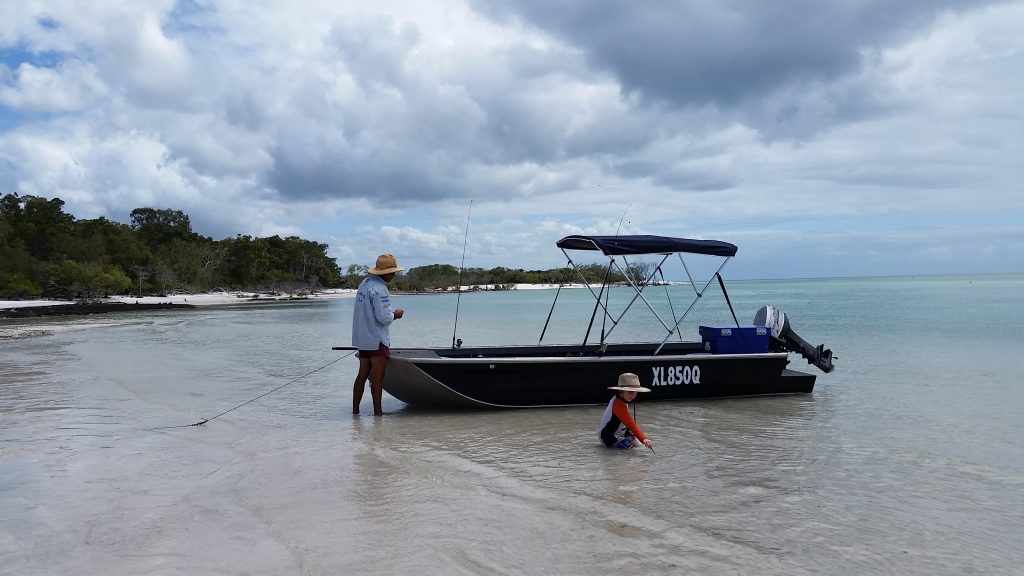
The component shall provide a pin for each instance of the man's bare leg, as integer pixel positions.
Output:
(377, 365)
(360, 384)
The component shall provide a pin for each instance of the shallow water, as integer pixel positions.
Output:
(909, 459)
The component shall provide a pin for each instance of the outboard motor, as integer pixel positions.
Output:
(783, 339)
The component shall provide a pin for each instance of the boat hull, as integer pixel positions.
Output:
(527, 377)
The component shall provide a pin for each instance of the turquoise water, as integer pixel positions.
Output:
(908, 459)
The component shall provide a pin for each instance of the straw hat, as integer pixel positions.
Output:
(629, 382)
(386, 264)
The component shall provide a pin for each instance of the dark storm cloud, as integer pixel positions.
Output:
(726, 52)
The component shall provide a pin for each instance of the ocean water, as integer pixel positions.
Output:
(908, 459)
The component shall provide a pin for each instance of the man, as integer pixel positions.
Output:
(371, 320)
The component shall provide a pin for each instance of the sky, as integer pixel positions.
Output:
(822, 137)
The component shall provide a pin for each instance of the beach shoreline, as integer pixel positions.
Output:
(218, 298)
(21, 317)
(223, 298)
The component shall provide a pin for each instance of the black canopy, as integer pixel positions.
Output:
(646, 244)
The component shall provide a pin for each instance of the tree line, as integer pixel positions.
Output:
(47, 253)
(445, 277)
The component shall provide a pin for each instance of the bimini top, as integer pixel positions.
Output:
(646, 244)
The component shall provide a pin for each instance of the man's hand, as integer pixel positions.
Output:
(399, 313)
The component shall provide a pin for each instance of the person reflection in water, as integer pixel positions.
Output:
(371, 330)
(618, 429)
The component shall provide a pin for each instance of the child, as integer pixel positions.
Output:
(618, 430)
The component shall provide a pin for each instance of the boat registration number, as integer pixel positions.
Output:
(674, 375)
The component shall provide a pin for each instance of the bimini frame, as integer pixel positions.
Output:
(613, 246)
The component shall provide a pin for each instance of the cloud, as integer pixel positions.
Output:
(72, 86)
(728, 52)
(826, 123)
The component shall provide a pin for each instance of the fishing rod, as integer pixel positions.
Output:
(668, 298)
(651, 448)
(462, 267)
(607, 295)
(622, 218)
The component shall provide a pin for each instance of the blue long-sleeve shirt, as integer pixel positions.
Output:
(372, 315)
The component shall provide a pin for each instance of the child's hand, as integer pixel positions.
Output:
(649, 444)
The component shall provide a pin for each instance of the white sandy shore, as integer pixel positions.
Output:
(221, 298)
(204, 299)
(30, 327)
(25, 328)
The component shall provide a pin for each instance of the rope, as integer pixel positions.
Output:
(201, 422)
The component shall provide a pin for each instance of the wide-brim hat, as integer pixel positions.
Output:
(629, 382)
(386, 264)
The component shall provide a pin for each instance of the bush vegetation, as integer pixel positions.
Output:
(47, 253)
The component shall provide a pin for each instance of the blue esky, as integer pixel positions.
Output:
(824, 139)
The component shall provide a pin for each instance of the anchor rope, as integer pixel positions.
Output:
(201, 422)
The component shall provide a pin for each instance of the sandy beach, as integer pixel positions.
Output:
(218, 298)
(223, 298)
(29, 327)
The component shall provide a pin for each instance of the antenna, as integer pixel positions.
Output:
(462, 266)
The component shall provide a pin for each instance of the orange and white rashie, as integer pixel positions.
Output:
(617, 426)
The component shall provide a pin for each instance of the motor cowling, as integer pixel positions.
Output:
(782, 338)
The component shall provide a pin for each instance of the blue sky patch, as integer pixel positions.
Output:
(15, 56)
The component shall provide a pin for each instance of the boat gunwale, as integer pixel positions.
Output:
(548, 359)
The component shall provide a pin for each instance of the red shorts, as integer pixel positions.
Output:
(381, 350)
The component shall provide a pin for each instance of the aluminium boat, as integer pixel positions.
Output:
(734, 360)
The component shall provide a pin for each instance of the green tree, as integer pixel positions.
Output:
(247, 261)
(431, 277)
(42, 226)
(88, 280)
(639, 271)
(296, 260)
(20, 274)
(157, 227)
(17, 286)
(106, 242)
